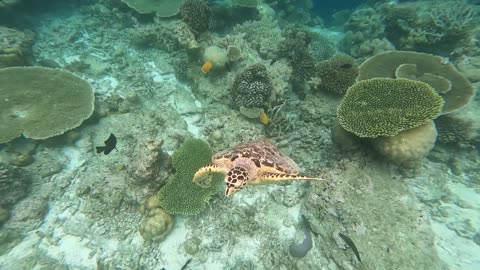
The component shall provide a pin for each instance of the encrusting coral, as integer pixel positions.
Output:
(42, 102)
(252, 87)
(181, 195)
(385, 107)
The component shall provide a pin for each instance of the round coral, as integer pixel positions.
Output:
(409, 146)
(196, 14)
(385, 107)
(252, 88)
(156, 225)
(337, 74)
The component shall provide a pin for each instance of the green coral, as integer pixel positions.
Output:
(42, 102)
(385, 107)
(181, 195)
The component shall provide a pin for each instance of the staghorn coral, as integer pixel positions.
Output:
(252, 87)
(181, 195)
(42, 102)
(386, 65)
(337, 74)
(196, 14)
(385, 107)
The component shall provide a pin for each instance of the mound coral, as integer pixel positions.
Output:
(252, 87)
(181, 195)
(337, 74)
(15, 47)
(409, 146)
(163, 8)
(196, 14)
(385, 107)
(42, 102)
(156, 225)
(424, 67)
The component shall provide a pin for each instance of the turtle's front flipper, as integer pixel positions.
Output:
(268, 177)
(203, 177)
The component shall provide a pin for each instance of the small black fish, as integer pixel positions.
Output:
(110, 144)
(351, 245)
(346, 66)
(186, 264)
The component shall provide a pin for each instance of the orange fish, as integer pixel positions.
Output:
(264, 118)
(207, 66)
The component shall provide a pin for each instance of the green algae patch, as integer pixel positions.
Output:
(181, 195)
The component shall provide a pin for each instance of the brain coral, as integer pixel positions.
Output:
(42, 102)
(384, 107)
(426, 68)
(181, 195)
(252, 87)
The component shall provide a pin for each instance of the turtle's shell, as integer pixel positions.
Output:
(263, 154)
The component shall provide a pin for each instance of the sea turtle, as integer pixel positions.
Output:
(254, 162)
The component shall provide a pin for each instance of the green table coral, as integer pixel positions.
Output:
(385, 107)
(181, 195)
(42, 102)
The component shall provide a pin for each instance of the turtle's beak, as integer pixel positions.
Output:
(230, 190)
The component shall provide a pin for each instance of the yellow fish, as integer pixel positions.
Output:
(207, 66)
(264, 118)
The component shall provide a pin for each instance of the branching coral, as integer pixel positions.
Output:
(252, 87)
(196, 14)
(337, 74)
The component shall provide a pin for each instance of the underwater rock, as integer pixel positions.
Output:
(192, 245)
(147, 160)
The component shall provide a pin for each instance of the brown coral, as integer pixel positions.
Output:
(337, 74)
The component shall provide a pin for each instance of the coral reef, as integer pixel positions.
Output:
(252, 87)
(53, 106)
(454, 130)
(337, 74)
(180, 195)
(196, 14)
(148, 163)
(162, 8)
(157, 36)
(384, 107)
(386, 65)
(15, 47)
(13, 185)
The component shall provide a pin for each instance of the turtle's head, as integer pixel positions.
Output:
(235, 179)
